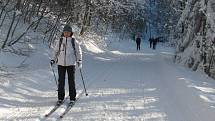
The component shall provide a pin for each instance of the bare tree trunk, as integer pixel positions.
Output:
(13, 42)
(86, 17)
(3, 20)
(54, 30)
(11, 25)
(41, 17)
(32, 12)
(105, 30)
(210, 63)
(38, 9)
(26, 12)
(24, 6)
(15, 26)
(3, 9)
(52, 35)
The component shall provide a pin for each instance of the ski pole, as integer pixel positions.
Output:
(83, 82)
(54, 74)
(73, 45)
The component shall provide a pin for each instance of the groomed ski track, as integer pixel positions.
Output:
(123, 85)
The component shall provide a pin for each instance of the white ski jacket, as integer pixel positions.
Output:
(66, 55)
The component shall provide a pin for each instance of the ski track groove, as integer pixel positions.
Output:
(188, 106)
(105, 109)
(169, 91)
(88, 84)
(98, 77)
(105, 74)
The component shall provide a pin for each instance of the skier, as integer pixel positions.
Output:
(154, 43)
(138, 42)
(150, 41)
(67, 53)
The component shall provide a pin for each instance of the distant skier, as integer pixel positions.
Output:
(154, 42)
(138, 42)
(67, 53)
(150, 41)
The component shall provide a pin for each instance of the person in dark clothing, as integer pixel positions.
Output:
(67, 53)
(150, 41)
(138, 42)
(155, 40)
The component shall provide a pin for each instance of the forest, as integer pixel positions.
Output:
(188, 25)
(171, 81)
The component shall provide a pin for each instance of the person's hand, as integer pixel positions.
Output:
(79, 64)
(52, 62)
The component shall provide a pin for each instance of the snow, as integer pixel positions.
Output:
(92, 46)
(193, 44)
(123, 85)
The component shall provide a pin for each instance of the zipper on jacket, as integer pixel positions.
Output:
(65, 53)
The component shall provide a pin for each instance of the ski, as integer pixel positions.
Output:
(69, 106)
(55, 108)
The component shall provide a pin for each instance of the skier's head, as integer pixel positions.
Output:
(67, 31)
(138, 35)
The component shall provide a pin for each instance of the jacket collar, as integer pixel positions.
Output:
(68, 38)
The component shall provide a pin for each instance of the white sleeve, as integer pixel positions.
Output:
(78, 51)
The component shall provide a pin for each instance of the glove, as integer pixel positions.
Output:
(52, 62)
(79, 64)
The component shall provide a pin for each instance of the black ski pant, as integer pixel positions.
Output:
(150, 44)
(138, 45)
(154, 45)
(71, 81)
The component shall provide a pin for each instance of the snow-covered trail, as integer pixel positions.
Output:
(175, 93)
(123, 85)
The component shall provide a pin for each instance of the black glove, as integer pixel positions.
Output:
(52, 62)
